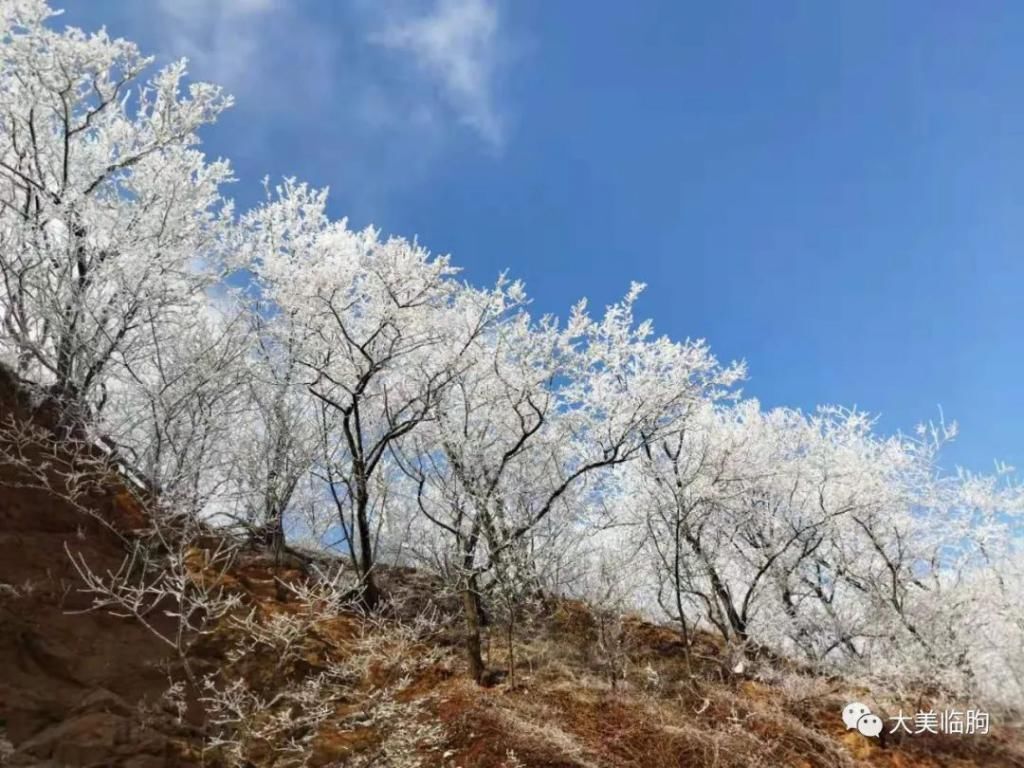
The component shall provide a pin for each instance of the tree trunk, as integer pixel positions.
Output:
(371, 594)
(678, 579)
(511, 651)
(270, 535)
(472, 615)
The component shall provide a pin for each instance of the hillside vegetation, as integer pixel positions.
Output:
(295, 673)
(276, 491)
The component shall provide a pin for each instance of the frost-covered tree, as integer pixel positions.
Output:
(385, 326)
(278, 373)
(523, 433)
(274, 444)
(175, 414)
(108, 210)
(814, 535)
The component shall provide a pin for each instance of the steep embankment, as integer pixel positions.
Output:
(71, 682)
(300, 684)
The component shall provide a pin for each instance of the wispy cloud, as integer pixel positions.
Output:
(455, 45)
(238, 43)
(452, 49)
(366, 96)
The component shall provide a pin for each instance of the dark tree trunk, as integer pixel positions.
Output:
(371, 593)
(510, 638)
(471, 609)
(270, 535)
(680, 612)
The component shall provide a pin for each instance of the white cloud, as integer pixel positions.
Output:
(270, 51)
(456, 45)
(226, 40)
(365, 96)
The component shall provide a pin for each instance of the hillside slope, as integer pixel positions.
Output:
(290, 679)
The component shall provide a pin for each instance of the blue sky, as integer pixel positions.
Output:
(831, 191)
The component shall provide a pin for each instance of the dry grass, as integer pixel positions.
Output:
(564, 711)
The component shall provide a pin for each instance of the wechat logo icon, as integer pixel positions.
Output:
(857, 715)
